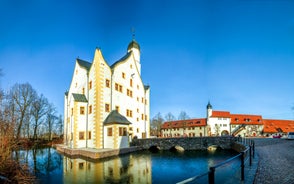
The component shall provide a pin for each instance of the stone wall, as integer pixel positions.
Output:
(188, 143)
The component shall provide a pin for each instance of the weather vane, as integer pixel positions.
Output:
(133, 33)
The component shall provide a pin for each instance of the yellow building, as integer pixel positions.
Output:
(107, 105)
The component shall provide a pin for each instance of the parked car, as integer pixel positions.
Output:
(277, 136)
(290, 135)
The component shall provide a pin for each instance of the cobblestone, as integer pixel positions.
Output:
(276, 161)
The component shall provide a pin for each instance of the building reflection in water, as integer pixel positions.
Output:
(124, 169)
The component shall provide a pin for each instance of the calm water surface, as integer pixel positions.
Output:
(140, 167)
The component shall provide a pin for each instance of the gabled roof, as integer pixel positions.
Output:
(220, 114)
(185, 123)
(146, 87)
(115, 117)
(79, 97)
(84, 64)
(246, 119)
(275, 126)
(121, 60)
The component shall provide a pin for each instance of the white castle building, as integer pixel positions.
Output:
(106, 106)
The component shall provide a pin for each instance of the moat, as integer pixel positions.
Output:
(138, 167)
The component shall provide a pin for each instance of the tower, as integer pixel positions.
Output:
(208, 109)
(134, 47)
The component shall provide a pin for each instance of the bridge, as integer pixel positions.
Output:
(186, 143)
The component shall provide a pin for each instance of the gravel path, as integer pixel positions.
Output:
(276, 161)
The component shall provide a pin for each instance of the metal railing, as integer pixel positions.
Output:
(244, 156)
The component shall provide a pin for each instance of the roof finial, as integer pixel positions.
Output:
(133, 32)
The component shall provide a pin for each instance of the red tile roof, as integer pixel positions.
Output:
(220, 114)
(238, 119)
(185, 123)
(276, 126)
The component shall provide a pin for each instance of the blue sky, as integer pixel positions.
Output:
(238, 54)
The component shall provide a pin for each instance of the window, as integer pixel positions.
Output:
(123, 75)
(131, 82)
(90, 109)
(122, 131)
(117, 108)
(129, 113)
(90, 85)
(82, 110)
(118, 87)
(142, 116)
(107, 108)
(131, 66)
(224, 125)
(129, 93)
(109, 131)
(107, 83)
(83, 91)
(81, 135)
(89, 135)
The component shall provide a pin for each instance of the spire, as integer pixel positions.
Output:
(133, 43)
(209, 106)
(133, 33)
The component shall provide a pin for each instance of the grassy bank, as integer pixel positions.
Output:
(12, 171)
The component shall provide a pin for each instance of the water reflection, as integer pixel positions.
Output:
(125, 169)
(45, 163)
(140, 167)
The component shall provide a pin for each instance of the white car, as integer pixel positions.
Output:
(290, 135)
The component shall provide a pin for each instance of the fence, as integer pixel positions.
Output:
(244, 156)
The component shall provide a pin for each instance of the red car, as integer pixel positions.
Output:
(277, 136)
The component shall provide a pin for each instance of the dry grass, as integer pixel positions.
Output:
(13, 172)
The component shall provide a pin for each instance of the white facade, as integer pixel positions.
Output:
(96, 90)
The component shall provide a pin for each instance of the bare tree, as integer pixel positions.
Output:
(156, 123)
(21, 96)
(59, 126)
(183, 116)
(50, 120)
(170, 117)
(38, 111)
(6, 127)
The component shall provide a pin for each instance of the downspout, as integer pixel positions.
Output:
(66, 123)
(145, 113)
(87, 110)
